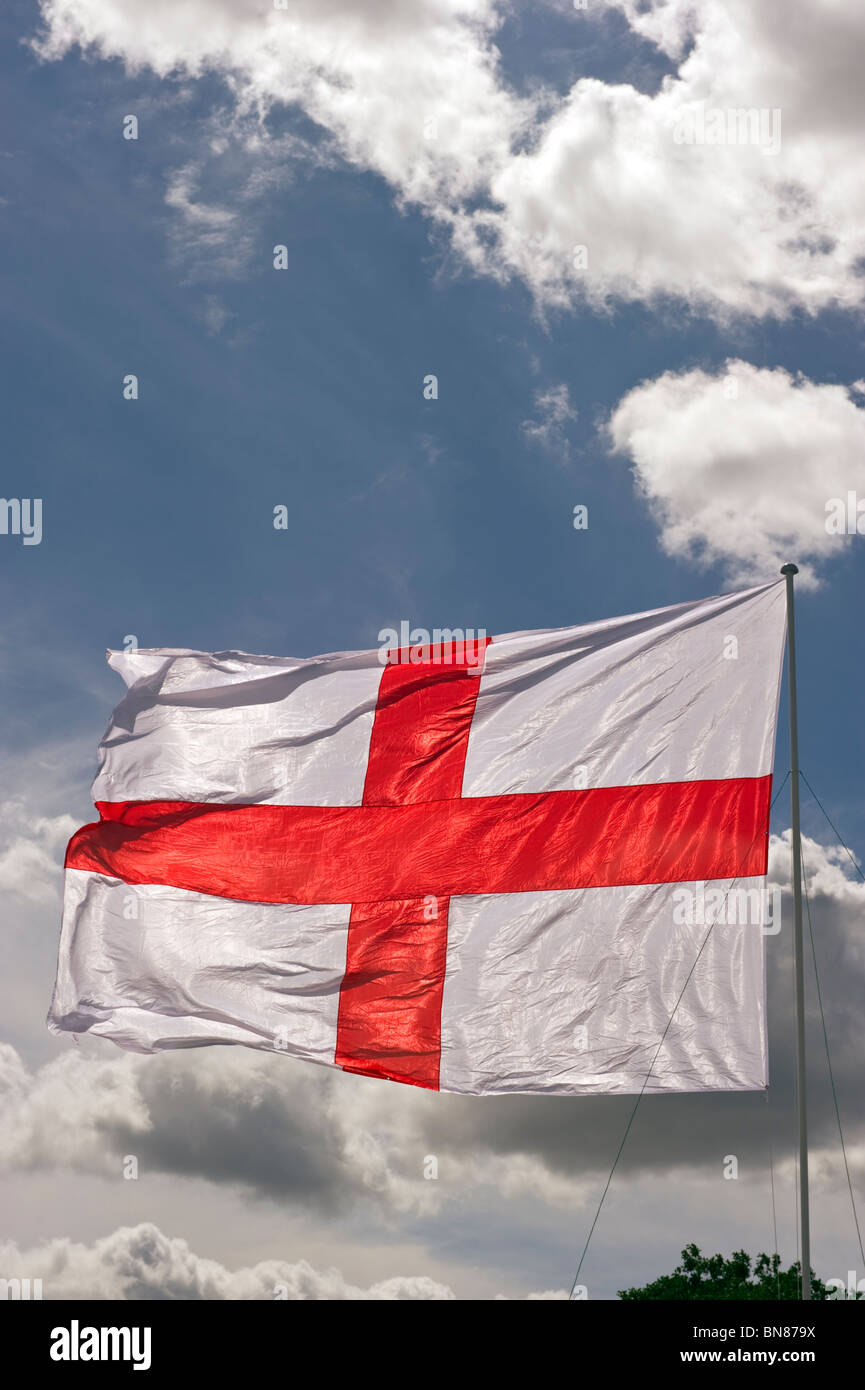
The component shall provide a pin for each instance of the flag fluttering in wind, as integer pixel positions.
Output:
(484, 866)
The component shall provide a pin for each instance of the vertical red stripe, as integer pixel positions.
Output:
(389, 1021)
(417, 751)
(391, 999)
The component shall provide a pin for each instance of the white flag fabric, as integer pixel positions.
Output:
(531, 863)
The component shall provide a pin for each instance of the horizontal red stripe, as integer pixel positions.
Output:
(662, 833)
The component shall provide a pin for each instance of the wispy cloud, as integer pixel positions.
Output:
(553, 414)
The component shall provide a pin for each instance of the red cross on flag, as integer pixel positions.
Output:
(483, 866)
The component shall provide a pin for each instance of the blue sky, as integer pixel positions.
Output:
(304, 387)
(158, 512)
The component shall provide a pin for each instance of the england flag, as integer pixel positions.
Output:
(530, 863)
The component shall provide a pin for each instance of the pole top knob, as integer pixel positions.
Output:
(789, 569)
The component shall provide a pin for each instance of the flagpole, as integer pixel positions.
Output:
(798, 953)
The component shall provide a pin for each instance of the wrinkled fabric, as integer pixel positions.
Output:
(470, 877)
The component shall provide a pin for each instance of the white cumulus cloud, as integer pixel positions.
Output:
(738, 465)
(593, 194)
(141, 1262)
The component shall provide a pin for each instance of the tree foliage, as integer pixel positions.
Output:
(713, 1277)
